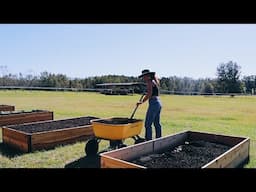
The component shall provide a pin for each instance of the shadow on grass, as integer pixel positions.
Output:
(8, 151)
(92, 161)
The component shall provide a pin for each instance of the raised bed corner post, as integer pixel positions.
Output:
(29, 143)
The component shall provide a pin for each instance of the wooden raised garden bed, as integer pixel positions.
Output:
(19, 117)
(7, 108)
(183, 150)
(47, 134)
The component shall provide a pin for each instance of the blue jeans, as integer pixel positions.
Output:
(153, 116)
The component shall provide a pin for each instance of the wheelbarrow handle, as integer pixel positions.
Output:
(137, 106)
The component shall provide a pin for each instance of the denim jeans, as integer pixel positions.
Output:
(153, 116)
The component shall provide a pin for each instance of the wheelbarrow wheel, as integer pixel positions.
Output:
(92, 147)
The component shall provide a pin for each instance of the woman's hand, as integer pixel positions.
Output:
(139, 103)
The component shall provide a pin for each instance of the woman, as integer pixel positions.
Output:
(154, 107)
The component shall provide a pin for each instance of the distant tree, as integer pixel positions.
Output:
(208, 88)
(165, 83)
(228, 77)
(249, 83)
(76, 83)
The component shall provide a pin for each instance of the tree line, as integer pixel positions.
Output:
(228, 80)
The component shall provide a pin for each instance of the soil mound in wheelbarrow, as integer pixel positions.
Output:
(117, 120)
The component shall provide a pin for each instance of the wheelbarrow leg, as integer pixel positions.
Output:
(115, 144)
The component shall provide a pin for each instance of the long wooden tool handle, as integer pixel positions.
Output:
(136, 107)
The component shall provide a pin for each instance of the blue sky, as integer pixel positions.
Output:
(83, 50)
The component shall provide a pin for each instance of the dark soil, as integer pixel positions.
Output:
(194, 154)
(117, 120)
(54, 125)
(18, 112)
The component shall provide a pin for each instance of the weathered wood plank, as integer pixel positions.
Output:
(170, 141)
(133, 151)
(109, 162)
(20, 118)
(232, 158)
(16, 139)
(7, 108)
(54, 144)
(63, 136)
(215, 138)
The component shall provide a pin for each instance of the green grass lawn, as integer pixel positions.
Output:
(213, 114)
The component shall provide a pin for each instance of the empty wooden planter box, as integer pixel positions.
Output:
(47, 134)
(7, 108)
(180, 148)
(19, 117)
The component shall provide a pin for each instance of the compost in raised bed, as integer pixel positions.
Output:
(53, 125)
(117, 120)
(192, 154)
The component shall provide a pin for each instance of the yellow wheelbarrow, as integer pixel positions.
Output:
(116, 130)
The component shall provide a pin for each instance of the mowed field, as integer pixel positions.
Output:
(214, 114)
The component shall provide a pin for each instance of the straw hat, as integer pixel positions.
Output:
(146, 72)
